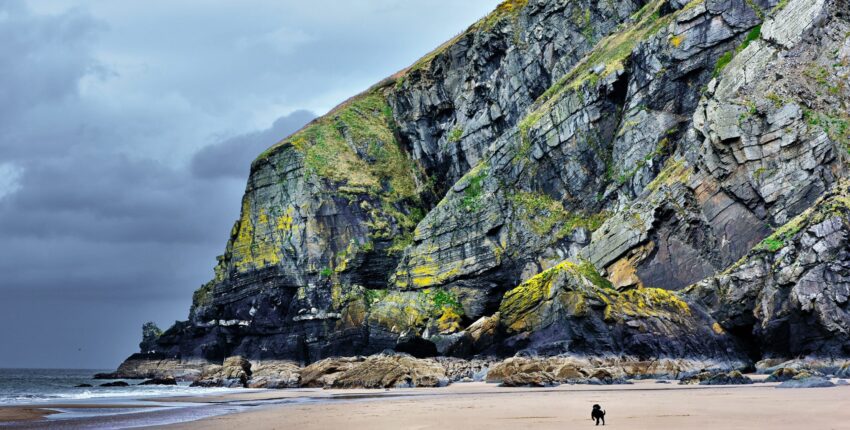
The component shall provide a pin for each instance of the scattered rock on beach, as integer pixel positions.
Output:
(115, 384)
(234, 372)
(807, 382)
(393, 371)
(275, 374)
(458, 369)
(160, 381)
(696, 379)
(782, 374)
(535, 379)
(323, 373)
(732, 378)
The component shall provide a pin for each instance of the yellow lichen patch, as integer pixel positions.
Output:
(424, 271)
(262, 218)
(547, 216)
(566, 289)
(518, 304)
(575, 303)
(401, 312)
(677, 40)
(675, 171)
(449, 321)
(253, 248)
(284, 222)
(717, 328)
(647, 302)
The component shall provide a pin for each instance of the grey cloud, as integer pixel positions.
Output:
(232, 157)
(124, 151)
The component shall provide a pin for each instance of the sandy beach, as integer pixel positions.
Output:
(470, 406)
(644, 405)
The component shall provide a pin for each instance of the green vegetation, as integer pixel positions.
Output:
(326, 272)
(837, 203)
(524, 308)
(660, 149)
(836, 125)
(588, 270)
(543, 213)
(354, 147)
(366, 121)
(779, 6)
(674, 171)
(455, 135)
(582, 19)
(508, 9)
(611, 52)
(474, 189)
(203, 296)
(373, 296)
(440, 299)
(775, 99)
(726, 58)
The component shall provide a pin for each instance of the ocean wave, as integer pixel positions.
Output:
(123, 393)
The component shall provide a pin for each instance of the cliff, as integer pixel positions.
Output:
(661, 179)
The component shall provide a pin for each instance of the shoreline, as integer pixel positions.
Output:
(305, 408)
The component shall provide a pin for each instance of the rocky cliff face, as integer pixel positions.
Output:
(659, 179)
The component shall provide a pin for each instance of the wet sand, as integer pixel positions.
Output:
(644, 405)
(39, 412)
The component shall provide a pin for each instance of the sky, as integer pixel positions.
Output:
(127, 130)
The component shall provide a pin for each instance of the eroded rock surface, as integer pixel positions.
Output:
(663, 180)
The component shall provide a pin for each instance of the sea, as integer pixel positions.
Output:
(99, 407)
(33, 386)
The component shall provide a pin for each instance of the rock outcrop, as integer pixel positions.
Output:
(393, 371)
(662, 181)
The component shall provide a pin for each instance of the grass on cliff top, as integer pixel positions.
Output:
(330, 147)
(508, 9)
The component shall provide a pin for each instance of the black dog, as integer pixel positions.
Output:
(597, 414)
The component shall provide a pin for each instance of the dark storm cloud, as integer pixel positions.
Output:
(232, 157)
(126, 135)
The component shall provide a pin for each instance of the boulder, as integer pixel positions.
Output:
(322, 374)
(274, 374)
(807, 382)
(696, 379)
(115, 384)
(393, 371)
(732, 378)
(534, 379)
(782, 374)
(233, 372)
(458, 369)
(157, 365)
(160, 381)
